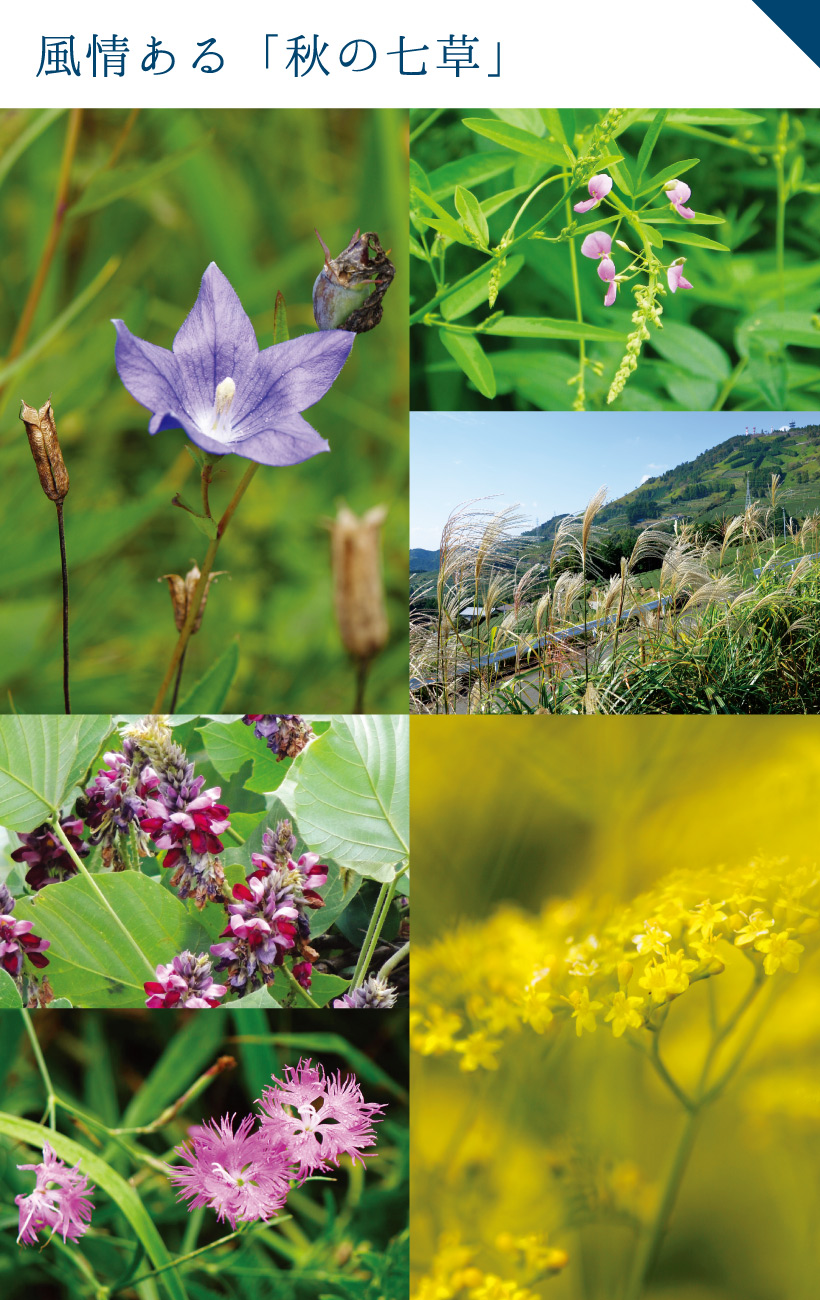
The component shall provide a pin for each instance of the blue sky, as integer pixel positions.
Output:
(551, 463)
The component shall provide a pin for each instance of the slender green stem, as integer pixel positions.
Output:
(729, 384)
(181, 1259)
(377, 920)
(580, 400)
(428, 121)
(64, 571)
(645, 1257)
(205, 484)
(178, 680)
(297, 987)
(234, 835)
(362, 669)
(392, 962)
(559, 176)
(358, 974)
(82, 868)
(662, 1072)
(201, 586)
(43, 1068)
(479, 271)
(780, 231)
(132, 1150)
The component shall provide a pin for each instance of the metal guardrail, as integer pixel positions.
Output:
(577, 629)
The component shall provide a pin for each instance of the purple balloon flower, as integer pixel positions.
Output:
(226, 394)
(599, 187)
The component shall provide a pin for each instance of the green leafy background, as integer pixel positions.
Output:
(122, 1070)
(347, 796)
(244, 189)
(745, 336)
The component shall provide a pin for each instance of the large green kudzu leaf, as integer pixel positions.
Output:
(9, 992)
(230, 744)
(258, 998)
(102, 1176)
(349, 794)
(42, 757)
(323, 988)
(92, 962)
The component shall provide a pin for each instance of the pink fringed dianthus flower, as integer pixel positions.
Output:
(243, 1175)
(61, 1200)
(320, 1117)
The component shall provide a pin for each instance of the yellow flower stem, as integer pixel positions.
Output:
(646, 1255)
(648, 1251)
(196, 599)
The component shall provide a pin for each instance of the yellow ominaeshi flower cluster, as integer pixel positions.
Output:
(454, 1274)
(605, 963)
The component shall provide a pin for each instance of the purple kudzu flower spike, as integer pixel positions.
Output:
(244, 1175)
(61, 1200)
(17, 941)
(319, 1116)
(599, 187)
(187, 982)
(678, 192)
(286, 733)
(599, 244)
(226, 394)
(374, 995)
(47, 858)
(675, 277)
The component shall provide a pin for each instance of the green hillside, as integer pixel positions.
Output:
(714, 483)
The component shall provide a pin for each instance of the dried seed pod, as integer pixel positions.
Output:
(182, 593)
(358, 586)
(42, 438)
(349, 289)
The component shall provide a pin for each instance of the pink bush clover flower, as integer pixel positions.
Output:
(599, 187)
(61, 1201)
(599, 244)
(678, 193)
(675, 277)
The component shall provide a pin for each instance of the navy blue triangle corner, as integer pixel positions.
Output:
(800, 21)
